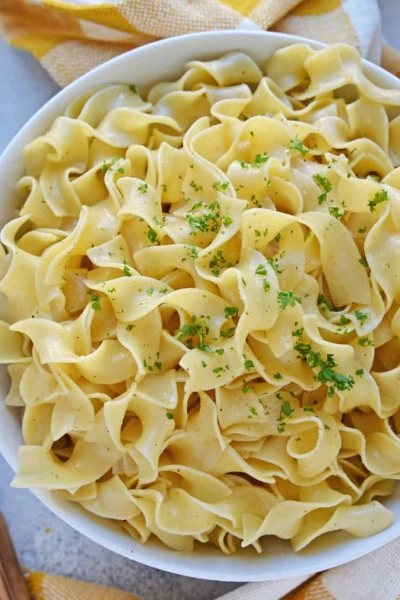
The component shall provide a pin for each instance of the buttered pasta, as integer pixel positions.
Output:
(200, 302)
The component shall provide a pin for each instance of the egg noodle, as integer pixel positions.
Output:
(200, 302)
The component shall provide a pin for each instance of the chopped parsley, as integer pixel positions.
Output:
(163, 187)
(248, 364)
(226, 221)
(218, 185)
(361, 317)
(193, 250)
(365, 342)
(296, 144)
(360, 372)
(108, 165)
(275, 265)
(266, 285)
(142, 188)
(259, 160)
(278, 376)
(197, 188)
(217, 263)
(247, 388)
(286, 299)
(326, 373)
(152, 235)
(325, 185)
(335, 212)
(205, 223)
(326, 304)
(228, 333)
(196, 329)
(363, 262)
(286, 408)
(126, 270)
(381, 196)
(130, 326)
(362, 230)
(133, 89)
(261, 270)
(95, 300)
(169, 416)
(231, 311)
(298, 332)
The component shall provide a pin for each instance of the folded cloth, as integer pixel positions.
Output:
(373, 577)
(72, 37)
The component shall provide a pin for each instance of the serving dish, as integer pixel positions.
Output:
(145, 66)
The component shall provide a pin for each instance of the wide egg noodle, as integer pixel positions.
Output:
(200, 302)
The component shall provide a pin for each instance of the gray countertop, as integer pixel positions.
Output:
(44, 542)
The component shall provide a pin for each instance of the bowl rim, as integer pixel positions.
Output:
(176, 563)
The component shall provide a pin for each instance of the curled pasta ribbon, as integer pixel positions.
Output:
(200, 302)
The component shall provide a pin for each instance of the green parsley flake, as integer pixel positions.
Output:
(169, 416)
(381, 196)
(193, 250)
(361, 317)
(133, 89)
(278, 376)
(228, 333)
(142, 188)
(227, 221)
(247, 388)
(326, 373)
(266, 285)
(365, 342)
(325, 185)
(286, 408)
(127, 272)
(287, 298)
(152, 235)
(217, 263)
(95, 300)
(326, 304)
(261, 270)
(197, 188)
(130, 326)
(218, 185)
(335, 212)
(363, 262)
(296, 144)
(275, 265)
(248, 364)
(298, 332)
(231, 311)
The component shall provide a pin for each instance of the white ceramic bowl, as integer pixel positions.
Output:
(144, 66)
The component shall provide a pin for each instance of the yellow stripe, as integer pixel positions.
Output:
(34, 582)
(37, 44)
(244, 7)
(105, 14)
(316, 7)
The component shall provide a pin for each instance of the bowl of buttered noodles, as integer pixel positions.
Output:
(199, 305)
